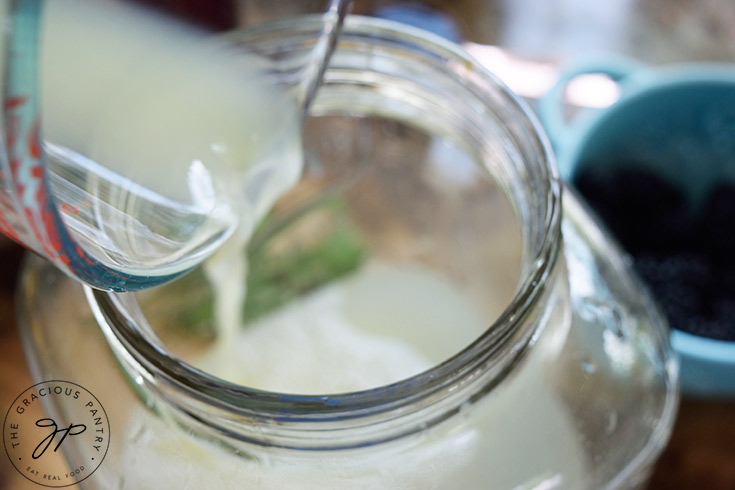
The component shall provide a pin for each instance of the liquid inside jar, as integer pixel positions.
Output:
(350, 287)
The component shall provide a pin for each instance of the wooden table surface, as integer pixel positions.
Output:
(700, 455)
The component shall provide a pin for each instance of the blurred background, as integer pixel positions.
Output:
(524, 42)
(655, 31)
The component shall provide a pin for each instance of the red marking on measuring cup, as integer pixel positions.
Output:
(7, 230)
(69, 209)
(15, 102)
(34, 141)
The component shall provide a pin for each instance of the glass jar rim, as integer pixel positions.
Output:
(189, 389)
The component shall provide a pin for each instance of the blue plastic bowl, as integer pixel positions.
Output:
(678, 121)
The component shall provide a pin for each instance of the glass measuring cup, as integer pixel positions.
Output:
(135, 142)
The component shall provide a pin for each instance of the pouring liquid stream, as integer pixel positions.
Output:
(174, 152)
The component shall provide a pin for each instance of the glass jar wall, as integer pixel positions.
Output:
(422, 311)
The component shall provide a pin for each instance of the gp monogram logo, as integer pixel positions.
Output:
(56, 433)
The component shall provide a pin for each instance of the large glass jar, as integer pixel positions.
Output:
(431, 214)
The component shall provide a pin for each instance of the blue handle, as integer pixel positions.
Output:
(37, 222)
(551, 105)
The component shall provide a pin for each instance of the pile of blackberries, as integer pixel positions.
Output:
(686, 256)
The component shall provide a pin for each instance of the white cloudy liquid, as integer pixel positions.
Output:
(337, 339)
(161, 142)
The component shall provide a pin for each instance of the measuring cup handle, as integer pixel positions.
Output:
(551, 105)
(28, 212)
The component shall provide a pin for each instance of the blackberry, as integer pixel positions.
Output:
(724, 308)
(686, 258)
(678, 297)
(718, 221)
(709, 327)
(679, 304)
(598, 185)
(682, 270)
(725, 281)
(645, 194)
(643, 211)
(669, 231)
